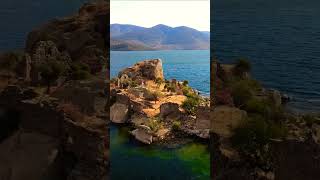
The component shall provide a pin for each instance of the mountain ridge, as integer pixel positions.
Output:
(126, 37)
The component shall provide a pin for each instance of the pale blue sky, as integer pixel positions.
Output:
(148, 13)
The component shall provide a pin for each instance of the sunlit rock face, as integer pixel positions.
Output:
(147, 69)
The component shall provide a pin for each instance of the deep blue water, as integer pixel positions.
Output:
(18, 18)
(191, 65)
(280, 37)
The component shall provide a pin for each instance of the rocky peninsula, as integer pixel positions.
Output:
(54, 100)
(158, 110)
(253, 136)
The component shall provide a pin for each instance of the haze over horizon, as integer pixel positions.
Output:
(159, 25)
(171, 13)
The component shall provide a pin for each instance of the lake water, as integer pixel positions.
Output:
(191, 65)
(280, 37)
(18, 18)
(132, 160)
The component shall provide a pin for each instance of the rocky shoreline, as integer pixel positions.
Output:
(160, 111)
(252, 136)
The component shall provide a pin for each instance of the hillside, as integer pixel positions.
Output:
(159, 37)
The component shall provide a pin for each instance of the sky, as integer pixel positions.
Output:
(148, 13)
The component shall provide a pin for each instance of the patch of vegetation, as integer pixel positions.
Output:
(266, 108)
(114, 80)
(310, 119)
(185, 83)
(152, 95)
(132, 83)
(50, 71)
(242, 66)
(191, 103)
(251, 138)
(254, 105)
(187, 91)
(159, 81)
(170, 87)
(155, 124)
(176, 126)
(243, 90)
(80, 71)
(11, 60)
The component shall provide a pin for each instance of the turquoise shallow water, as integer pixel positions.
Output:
(191, 65)
(133, 160)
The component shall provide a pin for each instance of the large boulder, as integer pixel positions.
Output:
(170, 110)
(147, 69)
(225, 119)
(119, 113)
(203, 120)
(28, 155)
(143, 134)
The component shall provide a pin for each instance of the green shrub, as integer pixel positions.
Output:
(254, 105)
(158, 81)
(155, 124)
(187, 91)
(133, 83)
(10, 60)
(252, 136)
(185, 83)
(241, 67)
(190, 104)
(310, 119)
(80, 75)
(171, 87)
(243, 90)
(50, 71)
(80, 71)
(152, 95)
(176, 125)
(114, 80)
(241, 93)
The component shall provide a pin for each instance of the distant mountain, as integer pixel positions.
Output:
(160, 37)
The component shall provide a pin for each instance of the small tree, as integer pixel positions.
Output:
(80, 71)
(190, 104)
(159, 81)
(185, 83)
(241, 67)
(50, 71)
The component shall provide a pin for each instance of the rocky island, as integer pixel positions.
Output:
(157, 110)
(54, 100)
(252, 134)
